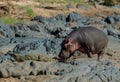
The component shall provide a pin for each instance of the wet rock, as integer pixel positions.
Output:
(20, 30)
(5, 45)
(103, 72)
(67, 30)
(64, 33)
(6, 57)
(27, 51)
(74, 17)
(37, 44)
(33, 29)
(35, 26)
(39, 19)
(112, 19)
(4, 41)
(37, 50)
(66, 72)
(112, 32)
(53, 46)
(55, 27)
(60, 17)
(98, 20)
(6, 31)
(19, 40)
(8, 44)
(96, 79)
(23, 69)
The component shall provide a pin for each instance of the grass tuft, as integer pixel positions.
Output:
(10, 20)
(29, 11)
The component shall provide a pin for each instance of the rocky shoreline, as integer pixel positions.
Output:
(30, 49)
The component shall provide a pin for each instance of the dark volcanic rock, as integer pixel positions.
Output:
(33, 29)
(19, 40)
(64, 33)
(45, 48)
(37, 27)
(55, 27)
(6, 31)
(6, 57)
(84, 71)
(4, 41)
(51, 27)
(39, 19)
(20, 30)
(8, 44)
(111, 31)
(60, 17)
(37, 45)
(77, 18)
(112, 19)
(73, 17)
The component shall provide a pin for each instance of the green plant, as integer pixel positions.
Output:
(78, 2)
(110, 2)
(29, 11)
(9, 20)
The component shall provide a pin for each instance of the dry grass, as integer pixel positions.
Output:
(27, 9)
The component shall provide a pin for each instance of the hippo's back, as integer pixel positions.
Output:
(94, 39)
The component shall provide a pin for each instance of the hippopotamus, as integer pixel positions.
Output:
(89, 40)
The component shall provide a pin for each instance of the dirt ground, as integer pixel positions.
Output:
(61, 8)
(13, 7)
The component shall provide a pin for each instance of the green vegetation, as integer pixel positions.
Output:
(79, 2)
(29, 11)
(10, 20)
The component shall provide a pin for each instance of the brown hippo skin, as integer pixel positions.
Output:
(89, 40)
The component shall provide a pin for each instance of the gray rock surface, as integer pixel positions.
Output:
(112, 19)
(32, 49)
(36, 50)
(5, 31)
(84, 70)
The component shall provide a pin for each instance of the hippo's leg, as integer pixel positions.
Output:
(100, 55)
(89, 54)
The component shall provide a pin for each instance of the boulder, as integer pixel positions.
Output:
(112, 19)
(74, 17)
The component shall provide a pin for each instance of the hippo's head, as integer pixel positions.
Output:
(68, 47)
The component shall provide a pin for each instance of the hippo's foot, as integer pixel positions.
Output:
(89, 54)
(100, 55)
